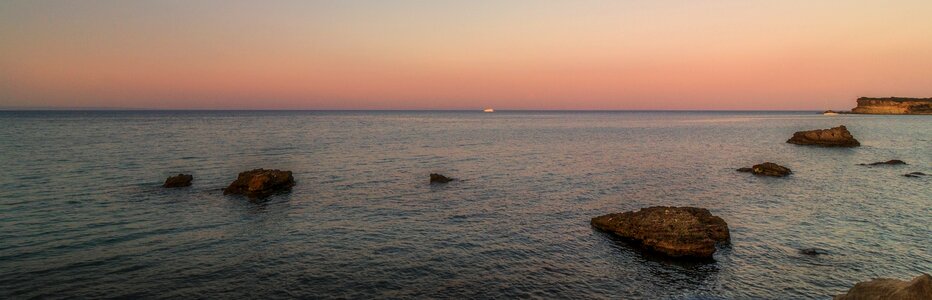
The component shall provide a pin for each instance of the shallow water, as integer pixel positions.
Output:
(83, 215)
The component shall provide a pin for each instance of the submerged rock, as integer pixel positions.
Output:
(260, 183)
(915, 174)
(812, 251)
(920, 288)
(889, 162)
(180, 180)
(437, 178)
(833, 137)
(767, 169)
(674, 231)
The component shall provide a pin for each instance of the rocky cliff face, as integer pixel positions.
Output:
(894, 106)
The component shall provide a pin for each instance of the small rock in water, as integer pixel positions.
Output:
(260, 183)
(437, 178)
(180, 180)
(915, 174)
(889, 162)
(811, 251)
(767, 169)
(833, 137)
(885, 288)
(674, 231)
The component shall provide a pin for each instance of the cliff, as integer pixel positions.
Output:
(894, 106)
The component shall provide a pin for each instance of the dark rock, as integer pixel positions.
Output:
(674, 231)
(767, 169)
(833, 137)
(180, 180)
(437, 178)
(811, 251)
(920, 288)
(915, 174)
(889, 162)
(260, 183)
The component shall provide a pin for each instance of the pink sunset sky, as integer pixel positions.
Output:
(779, 55)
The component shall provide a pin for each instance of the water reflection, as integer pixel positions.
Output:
(659, 269)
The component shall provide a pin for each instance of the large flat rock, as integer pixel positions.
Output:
(260, 183)
(674, 231)
(920, 288)
(832, 137)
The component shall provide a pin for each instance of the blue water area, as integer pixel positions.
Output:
(83, 214)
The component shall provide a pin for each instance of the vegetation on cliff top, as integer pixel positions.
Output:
(896, 99)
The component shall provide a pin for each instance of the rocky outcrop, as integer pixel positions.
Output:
(920, 288)
(437, 178)
(674, 231)
(889, 162)
(260, 183)
(180, 180)
(894, 106)
(833, 137)
(915, 174)
(767, 169)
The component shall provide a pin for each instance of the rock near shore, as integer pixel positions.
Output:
(767, 169)
(180, 180)
(920, 288)
(260, 183)
(833, 137)
(674, 231)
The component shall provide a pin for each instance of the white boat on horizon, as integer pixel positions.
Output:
(488, 110)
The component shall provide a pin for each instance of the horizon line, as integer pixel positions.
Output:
(66, 109)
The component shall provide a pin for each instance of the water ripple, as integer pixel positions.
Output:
(83, 215)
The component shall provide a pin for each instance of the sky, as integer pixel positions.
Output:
(517, 54)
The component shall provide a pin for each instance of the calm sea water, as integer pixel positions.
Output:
(83, 215)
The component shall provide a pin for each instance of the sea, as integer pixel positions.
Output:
(83, 214)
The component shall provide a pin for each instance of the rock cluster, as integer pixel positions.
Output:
(180, 180)
(674, 231)
(260, 183)
(920, 288)
(833, 137)
(767, 169)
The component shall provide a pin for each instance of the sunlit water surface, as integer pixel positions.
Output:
(83, 215)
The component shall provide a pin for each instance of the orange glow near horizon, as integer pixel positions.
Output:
(462, 55)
